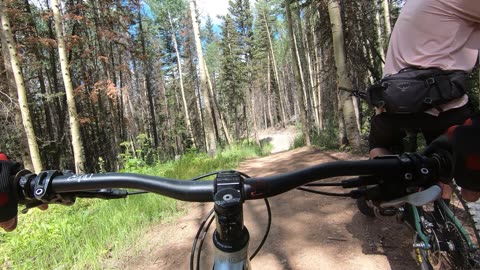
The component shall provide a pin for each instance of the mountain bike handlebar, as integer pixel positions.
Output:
(387, 178)
(390, 173)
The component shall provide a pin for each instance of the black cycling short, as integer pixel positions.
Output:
(388, 130)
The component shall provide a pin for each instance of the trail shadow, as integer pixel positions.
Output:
(384, 236)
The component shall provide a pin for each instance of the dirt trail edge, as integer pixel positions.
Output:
(308, 231)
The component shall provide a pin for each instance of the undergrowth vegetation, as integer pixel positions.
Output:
(82, 235)
(326, 140)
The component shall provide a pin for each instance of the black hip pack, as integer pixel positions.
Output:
(416, 90)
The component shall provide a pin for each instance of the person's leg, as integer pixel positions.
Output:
(375, 152)
(385, 135)
(434, 126)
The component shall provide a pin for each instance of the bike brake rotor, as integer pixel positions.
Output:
(457, 257)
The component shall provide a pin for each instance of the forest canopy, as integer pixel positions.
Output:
(85, 85)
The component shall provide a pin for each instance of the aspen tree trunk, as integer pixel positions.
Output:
(386, 20)
(121, 103)
(210, 143)
(314, 110)
(345, 105)
(7, 36)
(269, 108)
(302, 53)
(61, 101)
(213, 103)
(299, 77)
(182, 90)
(289, 110)
(379, 42)
(273, 120)
(275, 70)
(254, 119)
(24, 147)
(264, 113)
(78, 154)
(318, 65)
(217, 110)
(198, 98)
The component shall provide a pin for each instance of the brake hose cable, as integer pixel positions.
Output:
(343, 184)
(203, 240)
(200, 229)
(325, 193)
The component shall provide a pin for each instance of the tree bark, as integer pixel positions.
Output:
(7, 36)
(210, 143)
(22, 137)
(182, 90)
(275, 71)
(273, 120)
(78, 152)
(148, 83)
(379, 43)
(216, 109)
(298, 76)
(386, 20)
(318, 81)
(308, 52)
(302, 54)
(343, 82)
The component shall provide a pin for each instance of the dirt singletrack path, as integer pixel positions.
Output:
(308, 231)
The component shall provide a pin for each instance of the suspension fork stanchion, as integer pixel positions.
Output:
(231, 237)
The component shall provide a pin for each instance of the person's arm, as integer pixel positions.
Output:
(8, 200)
(463, 143)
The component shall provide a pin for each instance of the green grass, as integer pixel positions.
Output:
(326, 140)
(82, 235)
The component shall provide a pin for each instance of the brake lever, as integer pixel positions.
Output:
(31, 205)
(416, 199)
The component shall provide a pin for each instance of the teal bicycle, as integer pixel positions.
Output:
(446, 231)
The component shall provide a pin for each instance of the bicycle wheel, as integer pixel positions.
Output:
(428, 259)
(456, 251)
(468, 213)
(458, 256)
(449, 248)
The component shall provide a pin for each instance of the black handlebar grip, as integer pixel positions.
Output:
(8, 197)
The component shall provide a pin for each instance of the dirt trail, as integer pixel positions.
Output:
(308, 231)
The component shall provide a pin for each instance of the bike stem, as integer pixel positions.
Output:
(231, 237)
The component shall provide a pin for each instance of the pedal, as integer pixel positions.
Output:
(385, 212)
